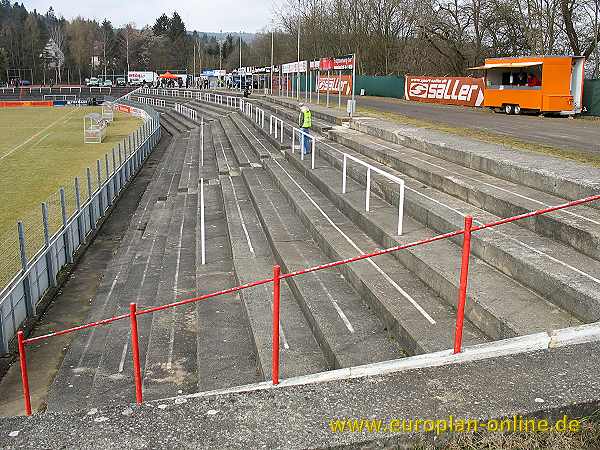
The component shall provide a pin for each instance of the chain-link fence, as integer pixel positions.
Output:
(48, 236)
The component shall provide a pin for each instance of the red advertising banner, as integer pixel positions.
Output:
(465, 91)
(334, 83)
(124, 108)
(16, 104)
(326, 64)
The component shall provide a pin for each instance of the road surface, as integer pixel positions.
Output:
(559, 132)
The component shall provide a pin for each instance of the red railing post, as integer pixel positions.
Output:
(462, 290)
(135, 352)
(24, 376)
(276, 289)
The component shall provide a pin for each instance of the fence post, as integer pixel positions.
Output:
(80, 232)
(99, 176)
(108, 186)
(66, 231)
(114, 166)
(202, 142)
(275, 344)
(135, 352)
(24, 375)
(29, 307)
(462, 292)
(88, 174)
(49, 263)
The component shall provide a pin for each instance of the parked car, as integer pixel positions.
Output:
(107, 83)
(93, 82)
(121, 81)
(25, 83)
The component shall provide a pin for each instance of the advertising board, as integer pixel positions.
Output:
(334, 83)
(463, 91)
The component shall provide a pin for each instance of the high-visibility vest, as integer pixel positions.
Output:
(305, 119)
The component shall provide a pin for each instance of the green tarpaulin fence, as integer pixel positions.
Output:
(591, 97)
(388, 86)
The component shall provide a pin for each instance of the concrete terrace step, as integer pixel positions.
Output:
(215, 110)
(348, 332)
(74, 380)
(265, 150)
(560, 177)
(300, 353)
(114, 378)
(171, 360)
(578, 226)
(172, 126)
(411, 311)
(556, 271)
(226, 160)
(290, 112)
(497, 305)
(244, 153)
(177, 120)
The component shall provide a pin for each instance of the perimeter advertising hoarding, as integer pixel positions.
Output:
(464, 91)
(332, 84)
(339, 63)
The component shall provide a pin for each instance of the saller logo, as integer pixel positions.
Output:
(449, 90)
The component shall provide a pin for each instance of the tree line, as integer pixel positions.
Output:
(437, 37)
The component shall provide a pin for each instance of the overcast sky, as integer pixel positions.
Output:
(202, 15)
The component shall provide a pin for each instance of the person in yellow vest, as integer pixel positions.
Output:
(305, 123)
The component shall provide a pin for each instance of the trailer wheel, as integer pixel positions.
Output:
(517, 109)
(508, 109)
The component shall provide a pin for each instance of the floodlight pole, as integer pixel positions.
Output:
(298, 63)
(272, 39)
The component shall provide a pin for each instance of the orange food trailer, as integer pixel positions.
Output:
(541, 84)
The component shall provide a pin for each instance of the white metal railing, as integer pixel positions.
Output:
(276, 123)
(304, 135)
(383, 173)
(60, 97)
(259, 117)
(185, 111)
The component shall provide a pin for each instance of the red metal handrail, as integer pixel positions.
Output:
(276, 279)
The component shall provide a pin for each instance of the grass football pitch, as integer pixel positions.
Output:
(42, 149)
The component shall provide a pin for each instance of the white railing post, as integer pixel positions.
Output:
(344, 173)
(202, 228)
(271, 125)
(281, 131)
(400, 207)
(313, 153)
(293, 140)
(368, 193)
(202, 141)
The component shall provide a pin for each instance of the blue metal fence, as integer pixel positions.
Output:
(20, 297)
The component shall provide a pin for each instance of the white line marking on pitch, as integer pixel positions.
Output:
(353, 244)
(34, 136)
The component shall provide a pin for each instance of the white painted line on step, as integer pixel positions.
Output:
(477, 222)
(316, 275)
(357, 248)
(351, 242)
(175, 286)
(239, 210)
(123, 354)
